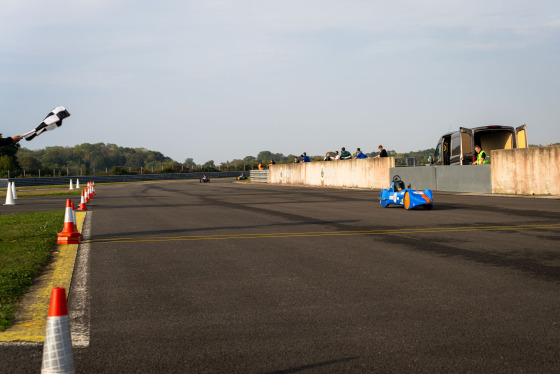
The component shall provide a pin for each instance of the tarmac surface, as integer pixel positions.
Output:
(230, 277)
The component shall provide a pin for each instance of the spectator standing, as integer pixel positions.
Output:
(304, 158)
(336, 156)
(328, 157)
(344, 154)
(382, 152)
(360, 154)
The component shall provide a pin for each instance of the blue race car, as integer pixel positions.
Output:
(410, 198)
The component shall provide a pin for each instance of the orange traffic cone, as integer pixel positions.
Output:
(86, 195)
(69, 234)
(82, 203)
(57, 350)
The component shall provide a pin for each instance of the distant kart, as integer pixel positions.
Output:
(410, 198)
(204, 179)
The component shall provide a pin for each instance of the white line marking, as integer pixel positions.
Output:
(79, 309)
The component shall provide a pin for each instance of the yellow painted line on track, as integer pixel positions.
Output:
(31, 317)
(320, 233)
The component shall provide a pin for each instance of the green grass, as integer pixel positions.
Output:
(26, 243)
(40, 192)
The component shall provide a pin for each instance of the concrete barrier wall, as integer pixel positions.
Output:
(453, 178)
(420, 177)
(362, 173)
(464, 178)
(526, 171)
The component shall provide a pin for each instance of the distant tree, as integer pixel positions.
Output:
(264, 156)
(9, 161)
(30, 164)
(119, 170)
(189, 163)
(209, 164)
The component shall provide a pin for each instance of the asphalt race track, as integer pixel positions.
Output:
(228, 277)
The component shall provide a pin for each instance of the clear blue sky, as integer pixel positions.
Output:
(218, 80)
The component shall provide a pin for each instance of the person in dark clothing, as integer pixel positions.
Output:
(382, 152)
(12, 140)
(345, 155)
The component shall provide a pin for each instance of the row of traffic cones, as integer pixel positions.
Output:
(70, 233)
(11, 194)
(58, 356)
(57, 349)
(89, 191)
(77, 184)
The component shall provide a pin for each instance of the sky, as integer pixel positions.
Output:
(220, 80)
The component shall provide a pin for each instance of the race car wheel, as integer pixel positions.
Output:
(406, 200)
(383, 203)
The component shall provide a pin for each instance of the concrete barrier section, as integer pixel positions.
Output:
(452, 178)
(362, 173)
(420, 177)
(526, 171)
(464, 178)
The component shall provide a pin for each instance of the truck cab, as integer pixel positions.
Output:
(457, 148)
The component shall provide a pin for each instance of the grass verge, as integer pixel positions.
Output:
(26, 243)
(23, 191)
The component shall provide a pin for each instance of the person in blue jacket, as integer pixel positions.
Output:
(360, 154)
(304, 157)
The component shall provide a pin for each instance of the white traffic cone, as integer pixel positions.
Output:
(71, 185)
(14, 194)
(9, 196)
(57, 350)
(77, 183)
